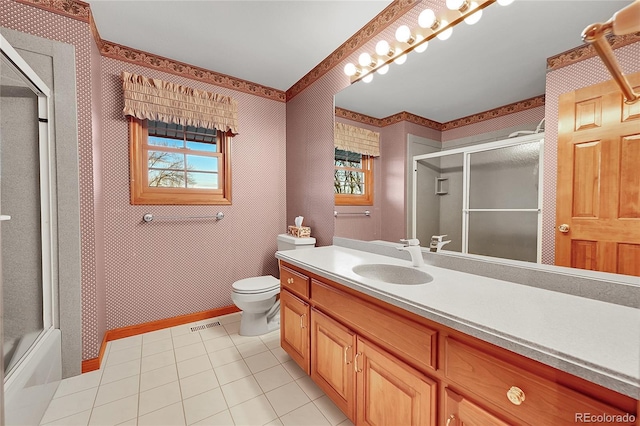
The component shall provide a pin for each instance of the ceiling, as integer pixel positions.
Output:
(272, 43)
(498, 61)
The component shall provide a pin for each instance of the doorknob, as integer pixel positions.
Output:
(564, 228)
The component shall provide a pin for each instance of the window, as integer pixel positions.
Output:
(174, 164)
(353, 178)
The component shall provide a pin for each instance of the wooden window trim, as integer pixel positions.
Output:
(142, 194)
(360, 200)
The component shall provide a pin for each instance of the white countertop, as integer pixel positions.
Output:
(595, 340)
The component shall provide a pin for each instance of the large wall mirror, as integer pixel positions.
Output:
(500, 60)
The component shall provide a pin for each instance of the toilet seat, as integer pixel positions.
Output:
(256, 285)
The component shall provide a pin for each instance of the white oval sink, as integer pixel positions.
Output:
(392, 274)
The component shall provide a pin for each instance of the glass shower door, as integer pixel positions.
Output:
(24, 202)
(503, 207)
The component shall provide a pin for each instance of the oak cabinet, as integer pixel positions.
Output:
(333, 347)
(390, 392)
(462, 412)
(371, 386)
(382, 365)
(294, 332)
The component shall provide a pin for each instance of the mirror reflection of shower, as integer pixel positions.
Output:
(485, 198)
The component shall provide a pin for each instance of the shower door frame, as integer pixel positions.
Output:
(41, 90)
(466, 152)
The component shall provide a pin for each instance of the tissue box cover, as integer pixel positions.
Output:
(299, 231)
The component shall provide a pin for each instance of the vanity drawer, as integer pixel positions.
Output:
(532, 399)
(414, 342)
(294, 281)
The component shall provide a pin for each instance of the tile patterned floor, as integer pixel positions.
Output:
(209, 377)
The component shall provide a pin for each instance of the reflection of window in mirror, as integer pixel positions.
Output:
(353, 179)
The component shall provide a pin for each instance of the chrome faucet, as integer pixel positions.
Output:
(414, 249)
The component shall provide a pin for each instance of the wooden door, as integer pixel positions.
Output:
(333, 347)
(389, 392)
(598, 194)
(294, 331)
(461, 412)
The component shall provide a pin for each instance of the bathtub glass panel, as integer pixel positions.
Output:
(439, 199)
(505, 178)
(22, 270)
(508, 235)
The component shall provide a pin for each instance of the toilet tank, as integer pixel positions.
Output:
(289, 242)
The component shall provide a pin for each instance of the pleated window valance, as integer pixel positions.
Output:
(154, 99)
(357, 139)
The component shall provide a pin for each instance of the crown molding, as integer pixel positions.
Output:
(587, 51)
(356, 116)
(495, 113)
(460, 122)
(75, 9)
(411, 118)
(385, 18)
(387, 121)
(160, 63)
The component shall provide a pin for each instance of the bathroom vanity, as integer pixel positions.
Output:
(461, 349)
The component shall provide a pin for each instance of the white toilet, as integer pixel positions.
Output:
(256, 296)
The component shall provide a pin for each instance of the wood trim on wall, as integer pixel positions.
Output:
(75, 9)
(117, 51)
(134, 330)
(538, 101)
(587, 51)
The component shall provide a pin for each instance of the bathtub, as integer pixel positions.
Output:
(31, 385)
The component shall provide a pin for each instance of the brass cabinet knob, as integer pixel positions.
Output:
(564, 228)
(290, 280)
(515, 395)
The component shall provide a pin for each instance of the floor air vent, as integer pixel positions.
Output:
(205, 326)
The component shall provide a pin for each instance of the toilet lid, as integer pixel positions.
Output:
(256, 284)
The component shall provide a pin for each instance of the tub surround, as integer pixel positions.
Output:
(592, 339)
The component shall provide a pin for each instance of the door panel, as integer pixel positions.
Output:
(332, 349)
(598, 194)
(294, 334)
(390, 392)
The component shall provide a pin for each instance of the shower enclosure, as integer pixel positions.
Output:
(486, 198)
(28, 333)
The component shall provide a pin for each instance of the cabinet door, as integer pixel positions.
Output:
(461, 412)
(332, 349)
(294, 330)
(389, 392)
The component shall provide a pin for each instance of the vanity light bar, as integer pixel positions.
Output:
(416, 38)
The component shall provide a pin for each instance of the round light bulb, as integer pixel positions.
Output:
(455, 4)
(427, 18)
(350, 69)
(368, 78)
(446, 33)
(364, 59)
(382, 48)
(400, 59)
(505, 2)
(403, 34)
(421, 48)
(475, 14)
(383, 69)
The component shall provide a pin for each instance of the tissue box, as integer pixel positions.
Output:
(299, 231)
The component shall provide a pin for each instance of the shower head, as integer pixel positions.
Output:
(521, 132)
